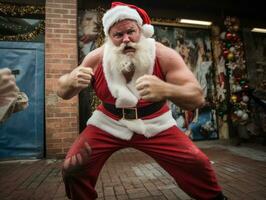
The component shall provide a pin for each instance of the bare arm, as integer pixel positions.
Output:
(79, 78)
(181, 86)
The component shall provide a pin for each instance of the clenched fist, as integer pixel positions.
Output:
(71, 84)
(151, 88)
(80, 77)
(8, 87)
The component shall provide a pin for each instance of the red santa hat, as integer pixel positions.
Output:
(120, 11)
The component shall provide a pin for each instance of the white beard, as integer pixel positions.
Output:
(115, 61)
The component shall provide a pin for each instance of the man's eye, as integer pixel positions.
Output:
(130, 32)
(118, 35)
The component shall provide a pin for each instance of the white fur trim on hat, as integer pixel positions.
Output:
(148, 30)
(117, 14)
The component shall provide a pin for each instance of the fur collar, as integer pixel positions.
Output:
(125, 93)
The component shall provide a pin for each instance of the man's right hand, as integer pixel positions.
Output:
(80, 77)
(71, 84)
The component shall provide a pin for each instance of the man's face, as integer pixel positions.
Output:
(88, 23)
(128, 50)
(124, 32)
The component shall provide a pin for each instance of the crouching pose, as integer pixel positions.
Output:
(134, 76)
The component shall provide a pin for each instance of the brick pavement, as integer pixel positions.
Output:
(130, 174)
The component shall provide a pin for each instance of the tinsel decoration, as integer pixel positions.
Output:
(25, 34)
(40, 28)
(15, 10)
(233, 54)
(99, 41)
(100, 38)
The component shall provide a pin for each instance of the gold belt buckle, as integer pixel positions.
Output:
(130, 113)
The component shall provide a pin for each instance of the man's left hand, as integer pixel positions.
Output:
(151, 88)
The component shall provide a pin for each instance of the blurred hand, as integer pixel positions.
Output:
(8, 88)
(80, 77)
(151, 88)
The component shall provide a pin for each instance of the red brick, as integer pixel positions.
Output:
(60, 58)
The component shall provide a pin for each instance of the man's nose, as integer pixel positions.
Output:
(126, 38)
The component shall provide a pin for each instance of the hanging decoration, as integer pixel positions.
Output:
(233, 54)
(100, 38)
(25, 36)
(99, 41)
(24, 33)
(20, 11)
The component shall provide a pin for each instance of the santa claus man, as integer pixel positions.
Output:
(134, 76)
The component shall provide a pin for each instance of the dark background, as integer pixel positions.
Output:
(250, 12)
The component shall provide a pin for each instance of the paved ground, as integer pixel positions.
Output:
(130, 174)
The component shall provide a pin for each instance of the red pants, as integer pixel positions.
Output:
(172, 149)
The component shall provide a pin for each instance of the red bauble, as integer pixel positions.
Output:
(228, 36)
(225, 53)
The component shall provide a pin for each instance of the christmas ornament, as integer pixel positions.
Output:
(232, 49)
(235, 27)
(229, 36)
(235, 71)
(225, 53)
(230, 56)
(244, 116)
(222, 35)
(239, 113)
(234, 98)
(228, 45)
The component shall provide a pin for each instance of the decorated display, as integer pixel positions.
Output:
(233, 55)
(194, 45)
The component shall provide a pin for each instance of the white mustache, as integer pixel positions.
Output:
(123, 46)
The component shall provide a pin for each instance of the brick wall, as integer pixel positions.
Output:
(60, 57)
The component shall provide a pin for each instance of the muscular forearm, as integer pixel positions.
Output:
(188, 97)
(65, 89)
(71, 84)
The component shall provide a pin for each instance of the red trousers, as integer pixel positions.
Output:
(172, 149)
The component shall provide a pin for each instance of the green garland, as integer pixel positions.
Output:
(100, 39)
(25, 36)
(15, 10)
(20, 11)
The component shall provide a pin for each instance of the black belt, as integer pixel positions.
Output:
(134, 113)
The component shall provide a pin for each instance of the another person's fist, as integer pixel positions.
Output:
(81, 77)
(11, 99)
(8, 87)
